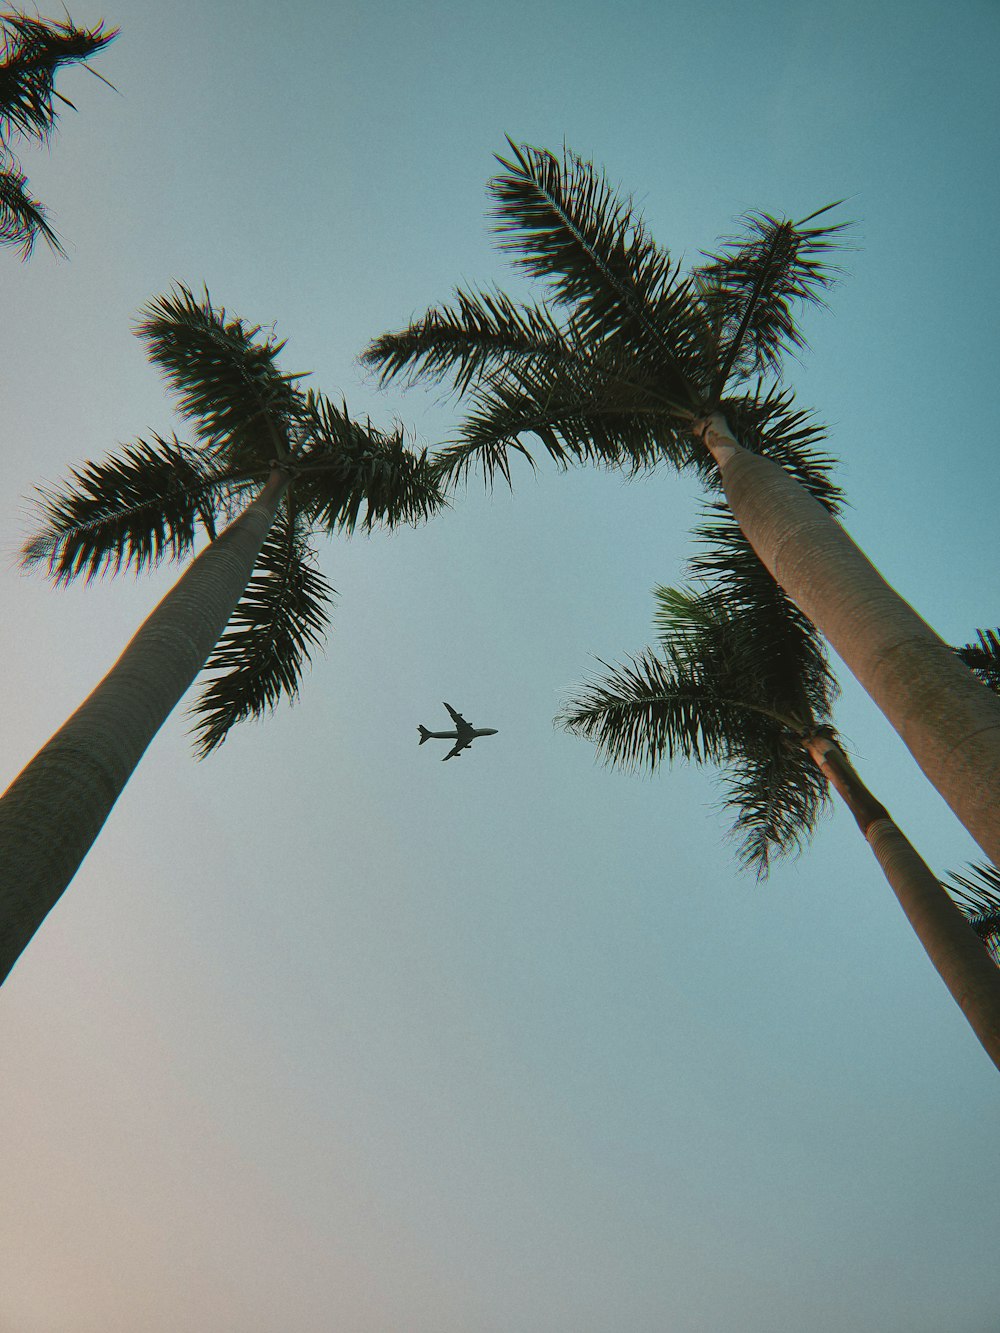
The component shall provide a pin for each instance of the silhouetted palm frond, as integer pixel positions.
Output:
(565, 224)
(31, 51)
(768, 423)
(266, 646)
(128, 511)
(650, 710)
(978, 896)
(749, 286)
(778, 645)
(641, 354)
(22, 218)
(725, 690)
(224, 374)
(983, 658)
(594, 414)
(349, 473)
(778, 795)
(481, 333)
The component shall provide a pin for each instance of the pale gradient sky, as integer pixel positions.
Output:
(329, 1035)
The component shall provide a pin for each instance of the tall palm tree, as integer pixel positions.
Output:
(741, 681)
(630, 363)
(281, 465)
(31, 52)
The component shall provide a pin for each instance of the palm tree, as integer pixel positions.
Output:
(281, 465)
(632, 364)
(742, 682)
(31, 51)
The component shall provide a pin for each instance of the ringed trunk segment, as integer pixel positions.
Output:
(53, 811)
(949, 721)
(962, 960)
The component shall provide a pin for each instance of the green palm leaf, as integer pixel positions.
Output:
(768, 423)
(22, 218)
(266, 645)
(650, 710)
(593, 413)
(348, 473)
(128, 511)
(565, 224)
(225, 375)
(780, 647)
(482, 332)
(31, 51)
(717, 694)
(778, 794)
(750, 285)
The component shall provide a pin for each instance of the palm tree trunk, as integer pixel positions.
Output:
(52, 813)
(962, 960)
(947, 719)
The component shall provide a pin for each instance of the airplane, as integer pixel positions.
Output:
(463, 735)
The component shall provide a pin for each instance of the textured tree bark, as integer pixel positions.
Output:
(949, 721)
(962, 960)
(52, 813)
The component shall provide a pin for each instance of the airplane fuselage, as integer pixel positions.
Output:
(463, 735)
(454, 735)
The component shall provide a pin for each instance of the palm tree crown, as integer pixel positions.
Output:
(152, 499)
(628, 355)
(31, 52)
(281, 465)
(740, 680)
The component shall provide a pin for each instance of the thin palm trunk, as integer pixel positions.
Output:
(52, 813)
(961, 958)
(949, 722)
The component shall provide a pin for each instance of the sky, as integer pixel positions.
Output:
(328, 1035)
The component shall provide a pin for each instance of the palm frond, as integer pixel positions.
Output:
(978, 896)
(767, 422)
(22, 218)
(750, 285)
(715, 695)
(128, 511)
(266, 646)
(778, 794)
(481, 333)
(349, 473)
(594, 414)
(750, 644)
(983, 658)
(225, 375)
(778, 646)
(648, 711)
(566, 225)
(31, 52)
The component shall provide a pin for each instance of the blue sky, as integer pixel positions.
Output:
(327, 1034)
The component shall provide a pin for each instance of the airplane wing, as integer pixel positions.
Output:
(457, 718)
(456, 749)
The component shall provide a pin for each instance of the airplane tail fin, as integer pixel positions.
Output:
(424, 733)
